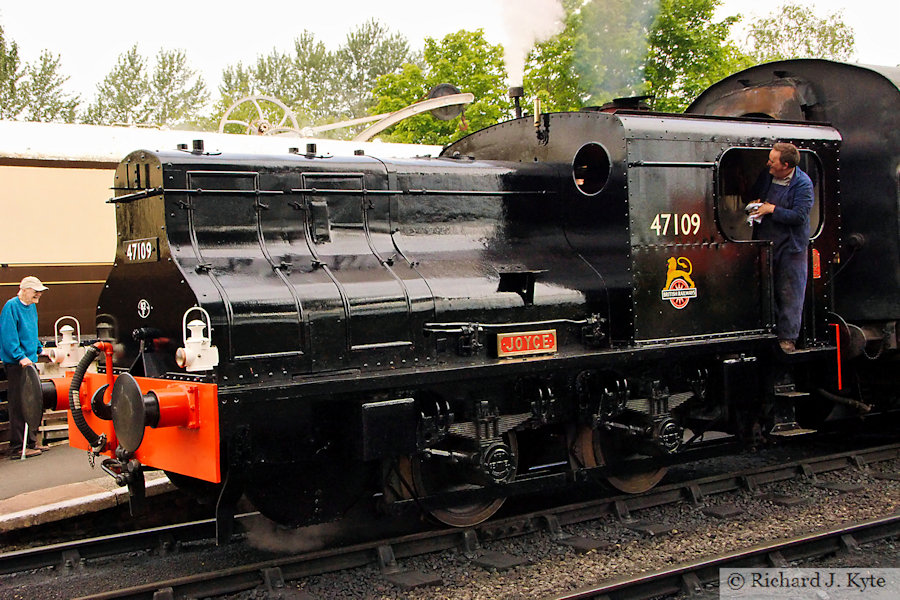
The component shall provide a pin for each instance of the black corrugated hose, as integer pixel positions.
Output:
(97, 442)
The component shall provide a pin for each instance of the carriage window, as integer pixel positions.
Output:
(737, 172)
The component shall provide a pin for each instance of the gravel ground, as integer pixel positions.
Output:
(552, 567)
(555, 568)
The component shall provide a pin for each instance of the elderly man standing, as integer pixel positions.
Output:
(785, 194)
(20, 347)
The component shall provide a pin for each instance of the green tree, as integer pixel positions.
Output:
(464, 59)
(311, 92)
(122, 95)
(550, 71)
(317, 85)
(11, 98)
(303, 81)
(368, 53)
(398, 90)
(272, 76)
(176, 93)
(599, 55)
(611, 45)
(171, 94)
(794, 32)
(688, 52)
(237, 82)
(240, 82)
(46, 100)
(672, 49)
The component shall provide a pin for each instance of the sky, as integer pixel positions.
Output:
(91, 35)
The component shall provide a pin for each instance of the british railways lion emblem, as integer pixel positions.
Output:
(679, 288)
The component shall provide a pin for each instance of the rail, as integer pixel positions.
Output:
(246, 577)
(691, 575)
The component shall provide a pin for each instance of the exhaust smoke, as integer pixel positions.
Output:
(527, 22)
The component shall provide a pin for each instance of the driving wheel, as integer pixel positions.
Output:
(419, 476)
(589, 448)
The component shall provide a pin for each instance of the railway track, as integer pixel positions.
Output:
(389, 554)
(690, 577)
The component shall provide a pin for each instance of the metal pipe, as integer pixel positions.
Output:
(862, 407)
(515, 93)
(97, 442)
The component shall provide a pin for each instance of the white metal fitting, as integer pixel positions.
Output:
(198, 353)
(68, 349)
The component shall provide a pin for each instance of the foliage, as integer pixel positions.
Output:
(11, 73)
(122, 95)
(550, 72)
(302, 82)
(398, 90)
(43, 89)
(172, 94)
(611, 47)
(600, 54)
(794, 32)
(238, 81)
(319, 86)
(689, 52)
(464, 59)
(177, 93)
(368, 53)
(672, 49)
(312, 91)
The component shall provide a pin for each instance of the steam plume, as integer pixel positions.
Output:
(527, 22)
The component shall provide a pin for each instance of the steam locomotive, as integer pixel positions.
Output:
(555, 298)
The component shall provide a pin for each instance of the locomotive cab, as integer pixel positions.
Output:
(866, 283)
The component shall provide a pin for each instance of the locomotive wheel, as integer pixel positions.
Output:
(300, 494)
(417, 477)
(589, 448)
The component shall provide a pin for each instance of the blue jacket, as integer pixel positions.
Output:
(788, 226)
(19, 331)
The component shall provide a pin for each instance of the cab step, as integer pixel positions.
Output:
(789, 429)
(793, 395)
(789, 391)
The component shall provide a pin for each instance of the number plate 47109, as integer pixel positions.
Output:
(139, 251)
(676, 224)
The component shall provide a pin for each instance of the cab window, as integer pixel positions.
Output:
(737, 171)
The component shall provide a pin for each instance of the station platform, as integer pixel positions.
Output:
(60, 484)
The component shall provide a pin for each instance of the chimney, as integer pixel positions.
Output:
(516, 93)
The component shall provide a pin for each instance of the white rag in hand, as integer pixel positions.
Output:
(753, 219)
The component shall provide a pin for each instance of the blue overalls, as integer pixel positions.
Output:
(788, 230)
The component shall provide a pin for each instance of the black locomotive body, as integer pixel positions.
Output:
(549, 297)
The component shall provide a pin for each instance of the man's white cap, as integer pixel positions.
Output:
(33, 283)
